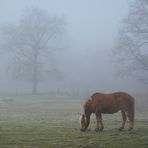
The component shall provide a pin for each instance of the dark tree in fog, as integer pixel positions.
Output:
(132, 45)
(32, 43)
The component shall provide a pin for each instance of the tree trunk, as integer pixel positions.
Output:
(35, 73)
(34, 85)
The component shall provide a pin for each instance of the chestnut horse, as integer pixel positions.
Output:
(100, 103)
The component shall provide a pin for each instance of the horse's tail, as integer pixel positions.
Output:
(131, 108)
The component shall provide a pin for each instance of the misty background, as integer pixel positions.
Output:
(86, 59)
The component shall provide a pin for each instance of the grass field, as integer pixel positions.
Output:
(52, 122)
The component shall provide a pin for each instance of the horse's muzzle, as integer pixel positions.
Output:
(82, 129)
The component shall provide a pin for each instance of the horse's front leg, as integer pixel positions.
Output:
(99, 122)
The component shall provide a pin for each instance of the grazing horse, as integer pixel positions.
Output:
(100, 103)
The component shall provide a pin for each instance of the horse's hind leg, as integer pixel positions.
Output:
(124, 120)
(131, 120)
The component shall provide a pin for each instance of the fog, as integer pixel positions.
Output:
(86, 62)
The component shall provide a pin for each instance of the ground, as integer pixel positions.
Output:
(52, 122)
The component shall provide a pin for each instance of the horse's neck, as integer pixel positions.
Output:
(86, 111)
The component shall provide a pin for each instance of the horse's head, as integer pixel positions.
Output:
(85, 116)
(82, 121)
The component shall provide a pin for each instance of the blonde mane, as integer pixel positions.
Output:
(87, 101)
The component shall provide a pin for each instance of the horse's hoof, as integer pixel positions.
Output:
(121, 129)
(82, 130)
(97, 130)
(130, 129)
(101, 129)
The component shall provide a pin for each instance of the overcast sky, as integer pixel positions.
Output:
(92, 28)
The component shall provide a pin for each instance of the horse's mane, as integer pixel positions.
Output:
(86, 104)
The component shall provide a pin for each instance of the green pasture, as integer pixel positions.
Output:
(52, 122)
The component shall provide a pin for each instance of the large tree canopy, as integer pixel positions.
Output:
(32, 42)
(132, 45)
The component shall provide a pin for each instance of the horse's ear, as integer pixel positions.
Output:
(81, 114)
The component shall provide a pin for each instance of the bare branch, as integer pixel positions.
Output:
(30, 43)
(132, 43)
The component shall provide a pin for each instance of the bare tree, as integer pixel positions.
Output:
(32, 42)
(132, 45)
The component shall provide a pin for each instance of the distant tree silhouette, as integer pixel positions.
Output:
(32, 43)
(132, 46)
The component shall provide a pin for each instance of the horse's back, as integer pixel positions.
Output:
(125, 99)
(112, 102)
(112, 96)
